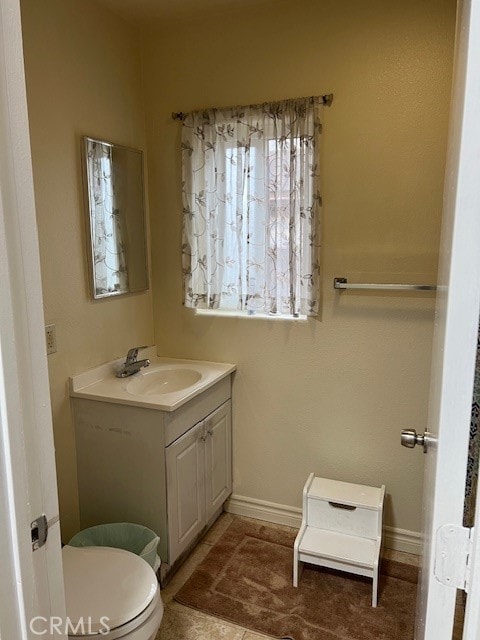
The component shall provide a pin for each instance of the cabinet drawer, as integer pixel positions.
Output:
(180, 421)
(355, 521)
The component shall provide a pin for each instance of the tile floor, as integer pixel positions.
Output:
(182, 623)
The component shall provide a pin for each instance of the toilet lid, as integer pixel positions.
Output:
(104, 583)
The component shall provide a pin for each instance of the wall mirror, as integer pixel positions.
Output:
(116, 221)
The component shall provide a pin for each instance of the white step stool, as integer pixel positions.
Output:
(341, 529)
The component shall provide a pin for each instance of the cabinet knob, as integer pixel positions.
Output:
(203, 438)
(210, 432)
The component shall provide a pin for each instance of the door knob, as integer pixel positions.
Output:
(410, 438)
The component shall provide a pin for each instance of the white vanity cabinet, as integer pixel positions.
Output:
(199, 478)
(168, 470)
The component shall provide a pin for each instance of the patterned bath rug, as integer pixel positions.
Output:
(247, 579)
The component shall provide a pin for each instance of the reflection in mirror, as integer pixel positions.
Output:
(116, 218)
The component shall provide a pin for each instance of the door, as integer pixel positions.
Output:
(456, 326)
(31, 582)
(185, 460)
(218, 458)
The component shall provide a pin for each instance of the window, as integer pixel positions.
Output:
(251, 209)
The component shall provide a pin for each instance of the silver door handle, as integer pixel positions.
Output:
(410, 438)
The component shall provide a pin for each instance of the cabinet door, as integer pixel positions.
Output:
(185, 461)
(218, 458)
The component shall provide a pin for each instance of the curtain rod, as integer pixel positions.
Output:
(327, 100)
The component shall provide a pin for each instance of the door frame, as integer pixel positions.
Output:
(456, 330)
(31, 583)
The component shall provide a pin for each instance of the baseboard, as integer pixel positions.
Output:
(394, 538)
(403, 540)
(262, 510)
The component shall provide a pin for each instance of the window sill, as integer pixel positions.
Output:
(255, 316)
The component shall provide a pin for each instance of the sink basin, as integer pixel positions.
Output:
(166, 385)
(163, 381)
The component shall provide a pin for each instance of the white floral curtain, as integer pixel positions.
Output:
(251, 208)
(109, 264)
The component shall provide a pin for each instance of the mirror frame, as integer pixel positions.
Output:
(90, 234)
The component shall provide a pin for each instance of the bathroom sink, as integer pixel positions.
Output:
(166, 384)
(162, 381)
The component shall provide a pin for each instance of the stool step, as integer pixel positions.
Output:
(339, 546)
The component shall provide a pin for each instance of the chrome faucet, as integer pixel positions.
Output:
(131, 364)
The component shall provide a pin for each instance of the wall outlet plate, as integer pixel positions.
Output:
(51, 338)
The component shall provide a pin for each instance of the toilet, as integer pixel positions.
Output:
(110, 594)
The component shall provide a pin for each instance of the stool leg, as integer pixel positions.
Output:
(295, 568)
(375, 588)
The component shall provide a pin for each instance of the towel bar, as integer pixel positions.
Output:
(342, 284)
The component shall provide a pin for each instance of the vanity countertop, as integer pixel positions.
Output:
(166, 385)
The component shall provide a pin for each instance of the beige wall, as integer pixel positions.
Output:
(330, 395)
(83, 78)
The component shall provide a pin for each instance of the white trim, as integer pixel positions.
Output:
(224, 313)
(262, 510)
(15, 572)
(394, 538)
(403, 540)
(456, 329)
(32, 583)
